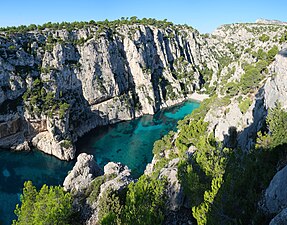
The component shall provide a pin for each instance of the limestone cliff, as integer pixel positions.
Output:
(238, 107)
(61, 83)
(57, 83)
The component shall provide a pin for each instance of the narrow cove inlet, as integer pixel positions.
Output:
(128, 142)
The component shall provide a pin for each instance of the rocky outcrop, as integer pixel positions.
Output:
(276, 86)
(63, 149)
(174, 189)
(82, 174)
(10, 127)
(117, 178)
(71, 81)
(266, 21)
(275, 196)
(88, 185)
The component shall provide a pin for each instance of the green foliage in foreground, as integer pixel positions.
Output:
(145, 202)
(203, 178)
(277, 126)
(142, 205)
(51, 205)
(247, 175)
(223, 185)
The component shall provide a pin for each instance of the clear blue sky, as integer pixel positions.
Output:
(204, 15)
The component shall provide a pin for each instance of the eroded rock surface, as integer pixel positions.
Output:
(80, 177)
(275, 197)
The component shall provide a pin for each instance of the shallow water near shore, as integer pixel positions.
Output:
(128, 142)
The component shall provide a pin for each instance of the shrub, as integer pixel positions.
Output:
(244, 105)
(51, 205)
(63, 108)
(250, 79)
(231, 89)
(94, 189)
(66, 144)
(110, 208)
(264, 38)
(145, 202)
(283, 38)
(277, 125)
(271, 53)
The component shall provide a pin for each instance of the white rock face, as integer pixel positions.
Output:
(106, 78)
(120, 179)
(276, 86)
(174, 189)
(46, 143)
(82, 174)
(275, 197)
(232, 126)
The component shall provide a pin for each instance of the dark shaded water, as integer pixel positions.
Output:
(128, 142)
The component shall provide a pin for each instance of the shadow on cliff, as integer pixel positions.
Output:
(247, 174)
(122, 74)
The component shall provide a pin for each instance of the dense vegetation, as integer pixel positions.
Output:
(70, 26)
(225, 185)
(142, 203)
(253, 74)
(51, 205)
(38, 100)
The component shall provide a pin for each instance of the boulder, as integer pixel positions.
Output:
(174, 189)
(275, 196)
(82, 174)
(62, 149)
(120, 174)
(117, 178)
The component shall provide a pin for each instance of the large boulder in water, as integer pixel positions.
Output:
(80, 177)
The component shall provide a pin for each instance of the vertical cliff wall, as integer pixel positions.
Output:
(61, 83)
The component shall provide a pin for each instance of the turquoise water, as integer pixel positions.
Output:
(17, 167)
(131, 142)
(128, 142)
